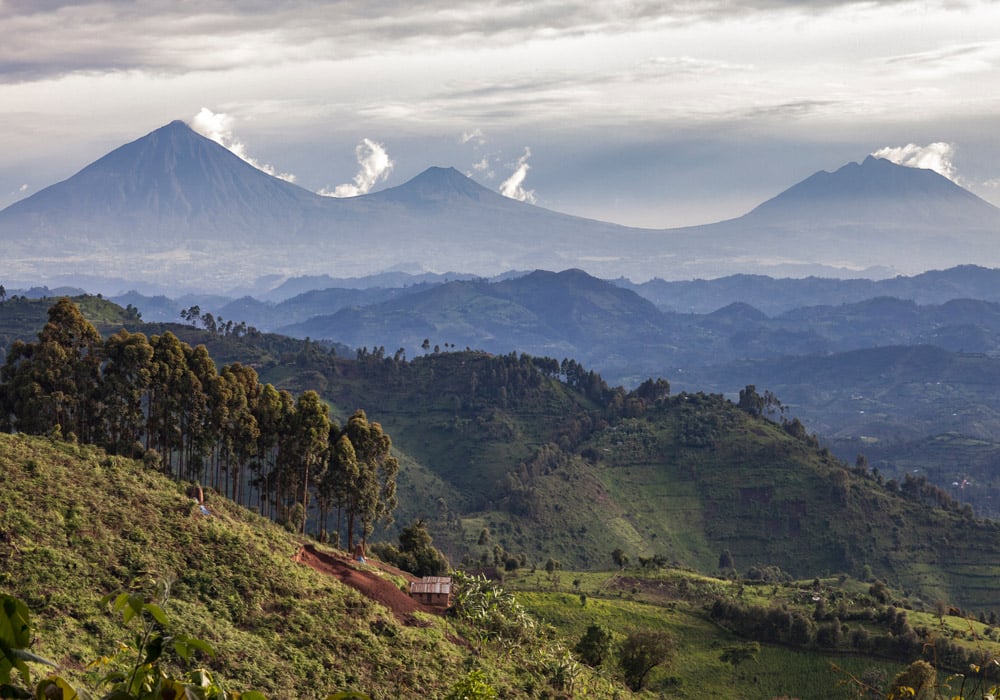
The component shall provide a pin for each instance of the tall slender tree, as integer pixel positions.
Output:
(124, 382)
(311, 428)
(374, 492)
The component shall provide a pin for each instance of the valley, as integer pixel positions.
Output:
(608, 448)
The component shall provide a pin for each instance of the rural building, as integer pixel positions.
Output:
(432, 590)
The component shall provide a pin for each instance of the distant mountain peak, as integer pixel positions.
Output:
(438, 185)
(876, 190)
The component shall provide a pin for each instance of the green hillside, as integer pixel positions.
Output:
(78, 525)
(515, 456)
(554, 467)
(725, 528)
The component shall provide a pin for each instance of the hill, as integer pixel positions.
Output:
(78, 525)
(524, 447)
(683, 478)
(298, 622)
(777, 296)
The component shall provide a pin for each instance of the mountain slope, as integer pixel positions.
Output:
(682, 477)
(776, 296)
(566, 314)
(179, 207)
(174, 207)
(876, 191)
(171, 183)
(82, 525)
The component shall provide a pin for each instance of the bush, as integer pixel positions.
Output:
(641, 652)
(594, 646)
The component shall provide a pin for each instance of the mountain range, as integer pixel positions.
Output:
(177, 209)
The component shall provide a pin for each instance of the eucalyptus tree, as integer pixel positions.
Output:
(272, 411)
(199, 429)
(374, 491)
(125, 380)
(239, 432)
(164, 416)
(336, 487)
(311, 429)
(53, 383)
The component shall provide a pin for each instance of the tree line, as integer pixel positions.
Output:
(167, 403)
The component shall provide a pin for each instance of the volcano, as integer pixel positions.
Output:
(177, 208)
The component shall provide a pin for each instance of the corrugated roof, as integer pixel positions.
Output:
(432, 584)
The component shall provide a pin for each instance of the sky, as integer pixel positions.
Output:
(641, 112)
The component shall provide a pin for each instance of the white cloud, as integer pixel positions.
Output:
(476, 136)
(23, 188)
(513, 186)
(219, 128)
(935, 156)
(375, 166)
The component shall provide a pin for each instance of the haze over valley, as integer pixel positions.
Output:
(538, 350)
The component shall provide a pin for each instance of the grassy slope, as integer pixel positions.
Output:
(684, 482)
(83, 525)
(622, 604)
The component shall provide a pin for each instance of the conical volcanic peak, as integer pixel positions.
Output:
(877, 191)
(178, 207)
(438, 186)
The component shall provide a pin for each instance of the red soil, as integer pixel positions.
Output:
(363, 578)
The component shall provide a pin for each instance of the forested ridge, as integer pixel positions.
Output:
(163, 401)
(517, 445)
(537, 464)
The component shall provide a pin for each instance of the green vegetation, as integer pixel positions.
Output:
(530, 468)
(79, 525)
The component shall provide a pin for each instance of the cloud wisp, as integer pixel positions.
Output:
(937, 156)
(513, 186)
(219, 128)
(374, 166)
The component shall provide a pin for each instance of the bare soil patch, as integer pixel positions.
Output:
(366, 579)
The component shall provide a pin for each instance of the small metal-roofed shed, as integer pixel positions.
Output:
(432, 590)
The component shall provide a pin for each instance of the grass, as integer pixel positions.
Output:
(81, 525)
(675, 601)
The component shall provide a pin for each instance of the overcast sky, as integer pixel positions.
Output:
(641, 112)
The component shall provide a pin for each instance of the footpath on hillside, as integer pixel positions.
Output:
(366, 579)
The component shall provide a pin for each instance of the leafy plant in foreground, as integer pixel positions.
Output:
(15, 636)
(144, 676)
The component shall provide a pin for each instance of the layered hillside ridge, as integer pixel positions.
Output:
(180, 209)
(524, 447)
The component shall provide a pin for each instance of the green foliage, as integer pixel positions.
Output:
(495, 613)
(739, 654)
(918, 681)
(595, 645)
(15, 638)
(139, 671)
(416, 552)
(473, 687)
(641, 652)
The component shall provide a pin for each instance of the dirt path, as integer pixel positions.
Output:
(363, 578)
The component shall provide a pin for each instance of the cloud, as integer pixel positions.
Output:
(935, 156)
(219, 128)
(476, 136)
(375, 167)
(23, 188)
(53, 38)
(513, 186)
